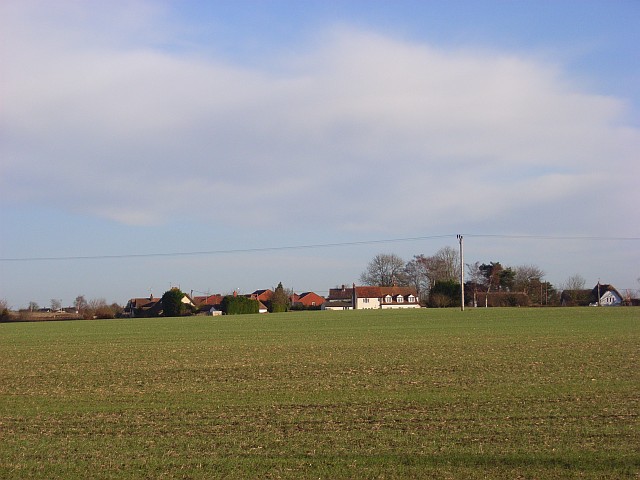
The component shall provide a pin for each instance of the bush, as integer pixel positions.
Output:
(444, 294)
(234, 305)
(4, 311)
(279, 302)
(505, 299)
(298, 307)
(172, 305)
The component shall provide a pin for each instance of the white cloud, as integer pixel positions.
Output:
(362, 130)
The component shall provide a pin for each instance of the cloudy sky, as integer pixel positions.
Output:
(132, 131)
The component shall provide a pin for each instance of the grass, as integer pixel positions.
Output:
(485, 393)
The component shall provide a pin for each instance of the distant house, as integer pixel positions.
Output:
(208, 300)
(601, 295)
(307, 300)
(143, 307)
(339, 299)
(262, 295)
(209, 304)
(262, 308)
(210, 310)
(385, 297)
(150, 306)
(609, 296)
(369, 298)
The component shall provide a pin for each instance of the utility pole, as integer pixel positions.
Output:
(461, 273)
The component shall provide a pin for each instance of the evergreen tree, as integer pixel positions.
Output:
(445, 293)
(234, 305)
(279, 301)
(172, 305)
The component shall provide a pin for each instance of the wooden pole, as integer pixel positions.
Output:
(461, 273)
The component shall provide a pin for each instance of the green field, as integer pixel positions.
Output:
(485, 393)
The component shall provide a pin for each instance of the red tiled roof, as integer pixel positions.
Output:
(208, 300)
(262, 295)
(310, 299)
(380, 292)
(143, 302)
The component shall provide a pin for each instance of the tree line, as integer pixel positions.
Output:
(82, 308)
(436, 278)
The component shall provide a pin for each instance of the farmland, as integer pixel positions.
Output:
(485, 393)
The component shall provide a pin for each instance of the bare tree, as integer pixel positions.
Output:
(527, 277)
(476, 278)
(117, 309)
(473, 272)
(98, 308)
(385, 270)
(448, 262)
(56, 305)
(443, 266)
(574, 282)
(33, 306)
(80, 304)
(416, 276)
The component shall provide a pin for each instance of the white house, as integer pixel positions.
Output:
(371, 298)
(609, 296)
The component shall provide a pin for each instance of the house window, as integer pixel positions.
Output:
(411, 299)
(365, 300)
(388, 299)
(400, 299)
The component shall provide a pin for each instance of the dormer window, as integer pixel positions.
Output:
(388, 299)
(411, 299)
(400, 299)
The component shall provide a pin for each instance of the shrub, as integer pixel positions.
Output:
(234, 305)
(172, 305)
(507, 299)
(444, 294)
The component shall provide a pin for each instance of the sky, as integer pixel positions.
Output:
(145, 145)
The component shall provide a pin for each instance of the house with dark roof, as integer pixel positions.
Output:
(606, 296)
(370, 298)
(143, 307)
(339, 299)
(601, 295)
(150, 306)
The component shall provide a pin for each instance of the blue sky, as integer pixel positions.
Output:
(137, 128)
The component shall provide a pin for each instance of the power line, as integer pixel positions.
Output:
(551, 237)
(311, 246)
(223, 252)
